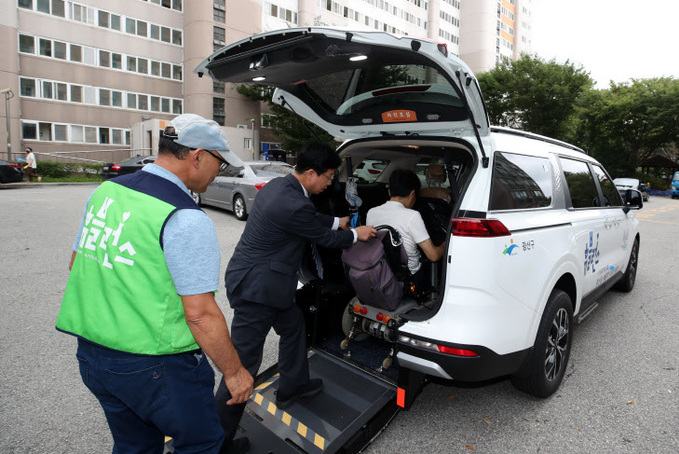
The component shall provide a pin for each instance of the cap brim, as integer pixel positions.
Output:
(232, 159)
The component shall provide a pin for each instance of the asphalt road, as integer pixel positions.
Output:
(620, 394)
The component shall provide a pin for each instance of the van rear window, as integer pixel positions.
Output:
(520, 182)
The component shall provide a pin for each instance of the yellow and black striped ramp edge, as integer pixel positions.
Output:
(285, 422)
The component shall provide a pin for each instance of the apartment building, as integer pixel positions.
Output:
(95, 75)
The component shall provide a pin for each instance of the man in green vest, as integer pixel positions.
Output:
(140, 300)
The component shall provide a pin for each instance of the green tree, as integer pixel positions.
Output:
(292, 130)
(535, 95)
(630, 122)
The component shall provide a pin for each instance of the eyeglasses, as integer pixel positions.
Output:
(329, 178)
(223, 164)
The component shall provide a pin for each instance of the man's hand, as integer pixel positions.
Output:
(365, 232)
(239, 385)
(345, 223)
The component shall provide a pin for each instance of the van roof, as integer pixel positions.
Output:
(530, 135)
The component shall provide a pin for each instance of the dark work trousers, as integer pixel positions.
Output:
(148, 397)
(251, 323)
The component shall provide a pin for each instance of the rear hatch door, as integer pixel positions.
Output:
(358, 84)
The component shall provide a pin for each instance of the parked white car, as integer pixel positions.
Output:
(535, 229)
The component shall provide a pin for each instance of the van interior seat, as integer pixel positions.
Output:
(437, 193)
(435, 175)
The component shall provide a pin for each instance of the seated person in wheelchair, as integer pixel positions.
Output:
(397, 212)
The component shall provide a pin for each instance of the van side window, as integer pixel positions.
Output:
(580, 183)
(610, 192)
(520, 182)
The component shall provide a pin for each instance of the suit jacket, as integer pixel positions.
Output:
(264, 265)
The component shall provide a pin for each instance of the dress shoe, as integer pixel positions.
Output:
(236, 446)
(313, 387)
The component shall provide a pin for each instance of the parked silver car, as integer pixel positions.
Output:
(235, 188)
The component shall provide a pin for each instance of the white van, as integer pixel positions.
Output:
(535, 228)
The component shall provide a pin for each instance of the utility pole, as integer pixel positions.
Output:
(8, 95)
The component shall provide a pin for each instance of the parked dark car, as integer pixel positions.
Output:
(115, 169)
(10, 172)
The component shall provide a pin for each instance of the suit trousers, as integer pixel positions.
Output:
(251, 324)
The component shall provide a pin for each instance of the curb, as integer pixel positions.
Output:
(34, 185)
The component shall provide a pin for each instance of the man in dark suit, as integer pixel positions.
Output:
(261, 277)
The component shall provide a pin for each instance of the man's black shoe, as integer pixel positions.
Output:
(236, 446)
(313, 387)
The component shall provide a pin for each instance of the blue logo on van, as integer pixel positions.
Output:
(591, 253)
(511, 249)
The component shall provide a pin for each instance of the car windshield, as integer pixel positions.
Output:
(351, 91)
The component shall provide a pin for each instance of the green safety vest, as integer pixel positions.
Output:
(120, 293)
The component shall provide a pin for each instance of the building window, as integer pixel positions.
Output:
(103, 19)
(219, 15)
(165, 34)
(76, 93)
(143, 101)
(247, 143)
(104, 135)
(29, 131)
(104, 58)
(130, 26)
(45, 131)
(155, 68)
(155, 32)
(28, 4)
(62, 91)
(142, 66)
(117, 136)
(155, 103)
(218, 111)
(219, 36)
(131, 101)
(104, 97)
(141, 28)
(45, 47)
(117, 98)
(27, 87)
(218, 87)
(166, 70)
(43, 6)
(165, 105)
(90, 134)
(47, 90)
(176, 72)
(60, 133)
(115, 22)
(26, 44)
(76, 53)
(58, 8)
(131, 64)
(59, 50)
(177, 106)
(116, 61)
(177, 37)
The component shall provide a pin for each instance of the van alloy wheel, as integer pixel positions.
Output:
(547, 363)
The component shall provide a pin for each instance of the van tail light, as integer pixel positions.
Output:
(484, 228)
(456, 351)
(260, 186)
(115, 167)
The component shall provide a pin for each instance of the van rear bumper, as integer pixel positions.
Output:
(485, 366)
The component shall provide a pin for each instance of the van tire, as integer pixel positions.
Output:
(548, 360)
(626, 284)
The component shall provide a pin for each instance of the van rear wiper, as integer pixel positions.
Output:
(475, 127)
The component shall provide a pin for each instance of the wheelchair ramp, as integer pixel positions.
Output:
(345, 416)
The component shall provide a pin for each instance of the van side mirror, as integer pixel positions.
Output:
(633, 200)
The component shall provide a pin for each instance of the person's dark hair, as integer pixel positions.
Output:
(402, 181)
(167, 145)
(317, 156)
(29, 149)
